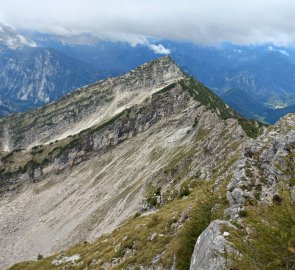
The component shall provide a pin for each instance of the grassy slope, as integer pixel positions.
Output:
(177, 224)
(267, 235)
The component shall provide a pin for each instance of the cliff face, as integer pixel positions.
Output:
(31, 76)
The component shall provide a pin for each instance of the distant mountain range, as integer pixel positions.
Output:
(38, 75)
(9, 38)
(258, 81)
(32, 75)
(260, 77)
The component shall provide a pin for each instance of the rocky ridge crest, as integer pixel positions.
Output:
(264, 170)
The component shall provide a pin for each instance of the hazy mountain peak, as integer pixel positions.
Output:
(273, 49)
(11, 39)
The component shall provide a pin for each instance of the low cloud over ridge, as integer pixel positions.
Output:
(206, 22)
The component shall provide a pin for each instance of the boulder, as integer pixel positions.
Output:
(211, 248)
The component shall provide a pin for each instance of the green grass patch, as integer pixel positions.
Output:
(269, 240)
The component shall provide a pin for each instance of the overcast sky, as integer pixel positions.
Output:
(207, 21)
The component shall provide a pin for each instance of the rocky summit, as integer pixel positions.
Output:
(149, 170)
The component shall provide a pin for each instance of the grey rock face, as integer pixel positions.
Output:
(267, 164)
(208, 136)
(265, 167)
(211, 248)
(235, 197)
(31, 76)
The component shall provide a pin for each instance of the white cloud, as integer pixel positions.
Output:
(159, 49)
(207, 22)
(284, 52)
(133, 40)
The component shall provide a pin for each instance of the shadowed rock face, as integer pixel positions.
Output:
(154, 130)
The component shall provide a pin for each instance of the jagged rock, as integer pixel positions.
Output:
(66, 259)
(235, 197)
(264, 167)
(211, 248)
(152, 237)
(232, 212)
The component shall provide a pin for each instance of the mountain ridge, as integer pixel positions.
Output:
(138, 239)
(99, 176)
(66, 104)
(97, 96)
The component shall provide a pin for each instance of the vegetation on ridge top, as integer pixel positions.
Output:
(207, 98)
